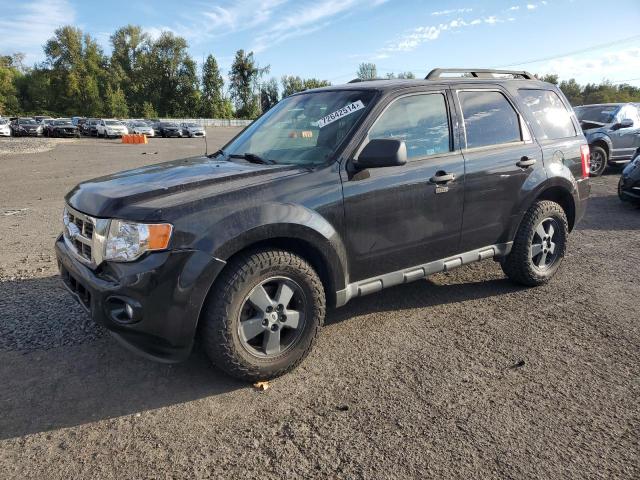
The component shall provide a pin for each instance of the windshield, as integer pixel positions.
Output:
(140, 124)
(597, 113)
(3, 122)
(62, 122)
(27, 121)
(191, 125)
(304, 129)
(167, 124)
(112, 122)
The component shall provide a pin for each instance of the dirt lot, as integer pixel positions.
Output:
(461, 376)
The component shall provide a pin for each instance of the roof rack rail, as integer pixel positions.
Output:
(437, 73)
(358, 80)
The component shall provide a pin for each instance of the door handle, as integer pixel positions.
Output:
(526, 162)
(442, 177)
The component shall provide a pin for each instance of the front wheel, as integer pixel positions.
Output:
(598, 161)
(262, 318)
(539, 246)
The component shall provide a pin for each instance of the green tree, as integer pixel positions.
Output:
(148, 111)
(367, 71)
(269, 94)
(572, 91)
(187, 98)
(212, 103)
(129, 45)
(291, 84)
(407, 75)
(9, 77)
(245, 76)
(116, 103)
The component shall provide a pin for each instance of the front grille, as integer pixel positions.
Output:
(80, 239)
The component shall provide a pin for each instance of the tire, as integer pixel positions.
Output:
(534, 258)
(229, 306)
(599, 159)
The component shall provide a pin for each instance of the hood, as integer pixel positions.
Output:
(144, 192)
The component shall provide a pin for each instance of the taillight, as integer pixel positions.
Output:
(585, 160)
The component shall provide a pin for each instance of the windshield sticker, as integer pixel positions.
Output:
(338, 114)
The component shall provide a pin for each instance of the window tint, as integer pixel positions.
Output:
(551, 118)
(629, 112)
(489, 119)
(420, 120)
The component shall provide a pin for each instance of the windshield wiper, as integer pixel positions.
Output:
(253, 158)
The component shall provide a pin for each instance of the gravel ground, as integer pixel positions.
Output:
(461, 376)
(13, 145)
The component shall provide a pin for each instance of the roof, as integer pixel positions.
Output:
(395, 83)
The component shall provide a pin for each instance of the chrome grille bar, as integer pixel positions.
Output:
(85, 236)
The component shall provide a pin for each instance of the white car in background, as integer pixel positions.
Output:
(190, 130)
(143, 128)
(111, 128)
(5, 131)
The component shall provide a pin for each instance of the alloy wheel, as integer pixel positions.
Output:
(543, 246)
(596, 161)
(272, 317)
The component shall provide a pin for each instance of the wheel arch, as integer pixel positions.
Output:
(602, 141)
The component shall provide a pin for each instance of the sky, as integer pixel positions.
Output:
(327, 39)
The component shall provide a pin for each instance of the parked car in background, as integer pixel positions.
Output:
(40, 118)
(25, 127)
(168, 129)
(613, 133)
(5, 130)
(45, 123)
(110, 128)
(387, 182)
(62, 127)
(190, 129)
(76, 120)
(629, 184)
(90, 127)
(141, 128)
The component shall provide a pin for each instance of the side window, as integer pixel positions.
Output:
(420, 120)
(628, 112)
(489, 119)
(552, 119)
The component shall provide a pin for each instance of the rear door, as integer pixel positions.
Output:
(500, 159)
(401, 216)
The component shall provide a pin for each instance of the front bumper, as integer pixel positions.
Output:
(165, 290)
(172, 133)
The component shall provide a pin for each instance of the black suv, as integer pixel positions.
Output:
(613, 133)
(332, 194)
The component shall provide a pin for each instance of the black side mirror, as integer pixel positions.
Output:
(382, 152)
(626, 123)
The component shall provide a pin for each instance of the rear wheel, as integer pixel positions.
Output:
(264, 315)
(598, 161)
(539, 246)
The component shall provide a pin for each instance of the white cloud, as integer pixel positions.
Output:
(514, 8)
(454, 11)
(307, 18)
(531, 6)
(25, 26)
(612, 65)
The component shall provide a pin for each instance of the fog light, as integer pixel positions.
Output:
(129, 311)
(123, 310)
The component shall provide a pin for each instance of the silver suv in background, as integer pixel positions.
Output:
(191, 129)
(613, 133)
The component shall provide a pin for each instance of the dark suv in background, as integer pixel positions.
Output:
(613, 133)
(334, 193)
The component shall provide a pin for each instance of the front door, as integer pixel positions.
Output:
(626, 141)
(401, 216)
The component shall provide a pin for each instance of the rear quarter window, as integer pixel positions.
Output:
(550, 118)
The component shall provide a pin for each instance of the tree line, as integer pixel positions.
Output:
(150, 78)
(142, 77)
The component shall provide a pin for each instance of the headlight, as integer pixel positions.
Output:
(127, 241)
(39, 129)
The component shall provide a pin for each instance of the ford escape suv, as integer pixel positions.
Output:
(333, 194)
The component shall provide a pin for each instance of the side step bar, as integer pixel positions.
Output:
(375, 284)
